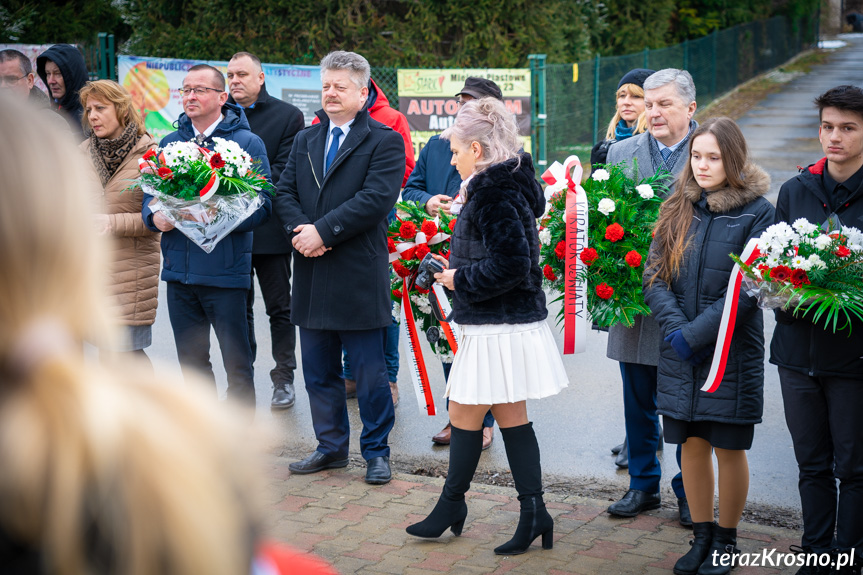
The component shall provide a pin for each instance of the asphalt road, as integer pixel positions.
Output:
(577, 427)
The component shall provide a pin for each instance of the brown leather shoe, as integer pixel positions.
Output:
(487, 437)
(442, 438)
(350, 388)
(394, 389)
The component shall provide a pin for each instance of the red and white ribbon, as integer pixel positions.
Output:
(575, 324)
(729, 319)
(403, 248)
(212, 185)
(450, 328)
(419, 374)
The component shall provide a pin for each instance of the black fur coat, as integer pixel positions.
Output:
(495, 247)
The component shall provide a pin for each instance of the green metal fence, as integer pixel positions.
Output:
(579, 112)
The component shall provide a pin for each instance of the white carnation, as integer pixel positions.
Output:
(600, 175)
(645, 191)
(422, 303)
(816, 262)
(823, 242)
(397, 311)
(606, 205)
(545, 236)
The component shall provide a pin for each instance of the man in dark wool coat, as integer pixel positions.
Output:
(342, 179)
(276, 123)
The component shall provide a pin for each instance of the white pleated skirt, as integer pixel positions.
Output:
(505, 363)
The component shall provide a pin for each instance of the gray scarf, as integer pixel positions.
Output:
(681, 149)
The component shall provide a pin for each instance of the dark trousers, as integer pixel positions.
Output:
(193, 309)
(322, 368)
(274, 276)
(488, 420)
(642, 429)
(823, 416)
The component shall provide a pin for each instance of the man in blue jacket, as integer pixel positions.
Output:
(342, 179)
(210, 289)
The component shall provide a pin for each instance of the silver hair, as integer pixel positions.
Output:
(488, 122)
(682, 82)
(358, 66)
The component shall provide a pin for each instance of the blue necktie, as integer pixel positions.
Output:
(665, 153)
(334, 149)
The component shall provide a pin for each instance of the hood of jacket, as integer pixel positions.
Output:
(757, 183)
(377, 99)
(72, 66)
(502, 175)
(235, 119)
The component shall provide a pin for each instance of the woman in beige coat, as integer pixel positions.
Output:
(117, 140)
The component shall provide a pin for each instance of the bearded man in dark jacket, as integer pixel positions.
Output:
(821, 372)
(276, 123)
(63, 69)
(211, 289)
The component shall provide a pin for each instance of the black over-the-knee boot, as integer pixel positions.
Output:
(522, 451)
(464, 451)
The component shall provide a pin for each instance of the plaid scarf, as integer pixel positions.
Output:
(680, 150)
(107, 155)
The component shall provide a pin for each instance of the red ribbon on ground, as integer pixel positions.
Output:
(729, 319)
(575, 219)
(419, 374)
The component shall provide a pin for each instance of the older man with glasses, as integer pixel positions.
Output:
(210, 289)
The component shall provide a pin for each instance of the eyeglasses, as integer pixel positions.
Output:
(197, 91)
(11, 80)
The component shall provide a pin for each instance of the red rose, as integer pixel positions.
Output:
(604, 290)
(216, 161)
(421, 290)
(150, 155)
(401, 270)
(397, 294)
(391, 245)
(429, 228)
(560, 250)
(408, 254)
(165, 173)
(549, 273)
(780, 273)
(408, 230)
(421, 251)
(614, 232)
(799, 278)
(633, 259)
(843, 252)
(588, 256)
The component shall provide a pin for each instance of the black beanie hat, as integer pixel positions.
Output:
(637, 77)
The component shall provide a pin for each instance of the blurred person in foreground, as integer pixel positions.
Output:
(507, 352)
(105, 469)
(117, 140)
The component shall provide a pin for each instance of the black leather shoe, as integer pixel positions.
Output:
(634, 502)
(378, 470)
(617, 448)
(283, 396)
(315, 462)
(683, 508)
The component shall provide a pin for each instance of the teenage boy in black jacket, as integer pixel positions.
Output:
(276, 123)
(821, 372)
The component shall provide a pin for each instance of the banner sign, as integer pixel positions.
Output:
(427, 98)
(153, 83)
